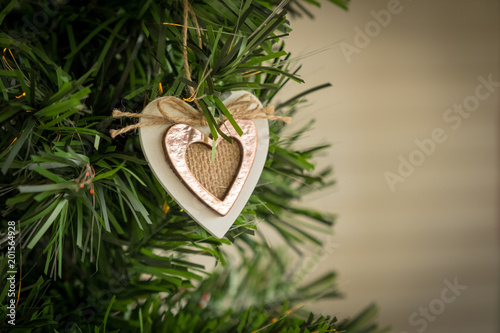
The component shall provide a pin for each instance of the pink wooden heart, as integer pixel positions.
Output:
(176, 141)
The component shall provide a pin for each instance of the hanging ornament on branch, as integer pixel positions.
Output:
(210, 178)
(176, 142)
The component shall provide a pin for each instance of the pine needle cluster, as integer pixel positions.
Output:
(100, 245)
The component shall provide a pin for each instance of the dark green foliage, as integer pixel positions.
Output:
(300, 7)
(91, 215)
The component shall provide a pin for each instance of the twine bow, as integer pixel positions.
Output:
(239, 109)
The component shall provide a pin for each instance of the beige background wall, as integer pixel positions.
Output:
(397, 248)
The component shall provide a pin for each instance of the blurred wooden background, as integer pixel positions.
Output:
(397, 248)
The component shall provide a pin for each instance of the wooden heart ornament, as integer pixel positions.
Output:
(179, 155)
(177, 140)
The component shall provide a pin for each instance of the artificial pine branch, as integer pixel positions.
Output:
(91, 215)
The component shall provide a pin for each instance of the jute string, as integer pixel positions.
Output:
(185, 53)
(218, 175)
(241, 108)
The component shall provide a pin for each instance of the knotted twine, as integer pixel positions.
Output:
(241, 108)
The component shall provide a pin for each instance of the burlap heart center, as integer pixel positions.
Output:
(215, 176)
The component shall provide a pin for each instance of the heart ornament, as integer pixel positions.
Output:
(213, 193)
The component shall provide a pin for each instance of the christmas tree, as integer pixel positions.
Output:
(91, 242)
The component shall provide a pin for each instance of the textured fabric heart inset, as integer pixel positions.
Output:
(216, 176)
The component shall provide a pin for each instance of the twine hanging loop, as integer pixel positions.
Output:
(241, 108)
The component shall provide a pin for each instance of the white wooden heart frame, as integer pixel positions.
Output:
(151, 138)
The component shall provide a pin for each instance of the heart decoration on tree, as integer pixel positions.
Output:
(179, 163)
